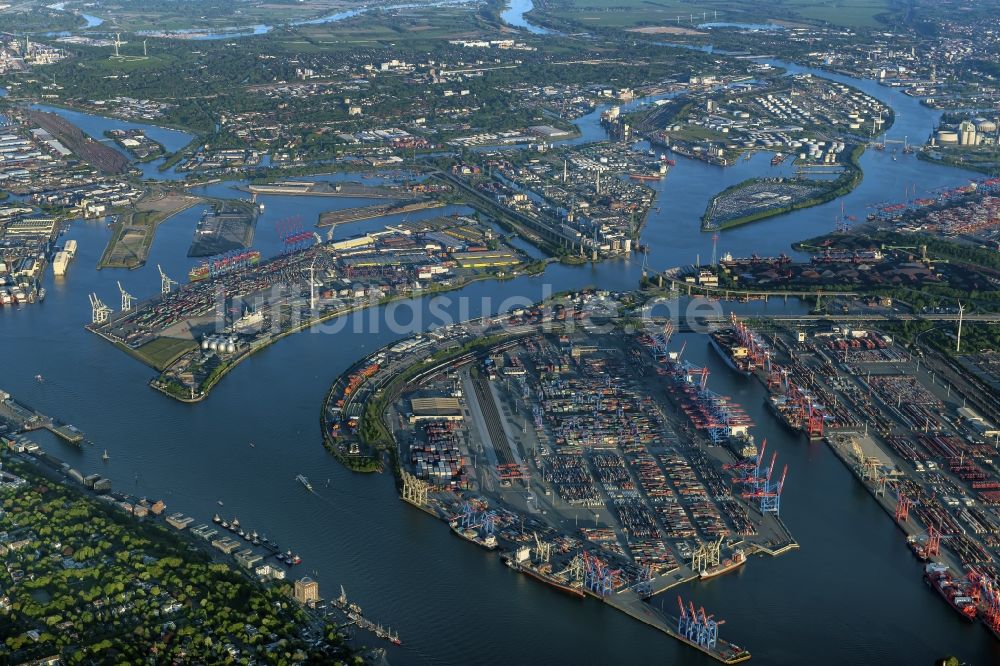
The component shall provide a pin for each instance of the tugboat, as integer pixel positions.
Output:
(105, 457)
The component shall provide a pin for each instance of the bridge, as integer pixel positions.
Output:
(728, 293)
(722, 320)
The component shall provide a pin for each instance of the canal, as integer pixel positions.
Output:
(852, 594)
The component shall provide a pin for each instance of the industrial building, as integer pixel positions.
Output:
(487, 259)
(437, 409)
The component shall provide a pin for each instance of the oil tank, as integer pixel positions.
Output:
(947, 136)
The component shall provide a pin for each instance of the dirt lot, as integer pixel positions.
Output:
(133, 233)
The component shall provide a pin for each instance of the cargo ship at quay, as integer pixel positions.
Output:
(543, 574)
(733, 352)
(224, 264)
(737, 560)
(957, 593)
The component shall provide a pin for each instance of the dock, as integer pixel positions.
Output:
(344, 215)
(324, 189)
(632, 605)
(25, 418)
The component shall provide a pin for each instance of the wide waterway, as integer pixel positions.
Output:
(852, 594)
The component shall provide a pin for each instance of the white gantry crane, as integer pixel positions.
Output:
(100, 313)
(127, 299)
(166, 284)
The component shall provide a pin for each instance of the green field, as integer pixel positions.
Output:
(635, 13)
(161, 352)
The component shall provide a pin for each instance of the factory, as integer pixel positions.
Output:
(968, 133)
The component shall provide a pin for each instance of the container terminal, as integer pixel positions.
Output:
(910, 431)
(225, 227)
(599, 464)
(237, 302)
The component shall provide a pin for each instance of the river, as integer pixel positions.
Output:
(852, 594)
(514, 13)
(201, 34)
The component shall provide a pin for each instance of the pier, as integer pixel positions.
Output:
(345, 215)
(26, 419)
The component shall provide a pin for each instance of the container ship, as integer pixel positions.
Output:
(956, 593)
(732, 351)
(790, 416)
(743, 445)
(488, 542)
(738, 559)
(543, 574)
(224, 264)
(782, 407)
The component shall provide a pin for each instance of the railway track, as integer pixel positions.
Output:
(488, 407)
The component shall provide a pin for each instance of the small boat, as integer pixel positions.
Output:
(220, 502)
(105, 457)
(341, 601)
(252, 445)
(296, 559)
(224, 524)
(216, 519)
(305, 482)
(39, 379)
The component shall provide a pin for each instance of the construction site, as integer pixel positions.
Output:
(599, 464)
